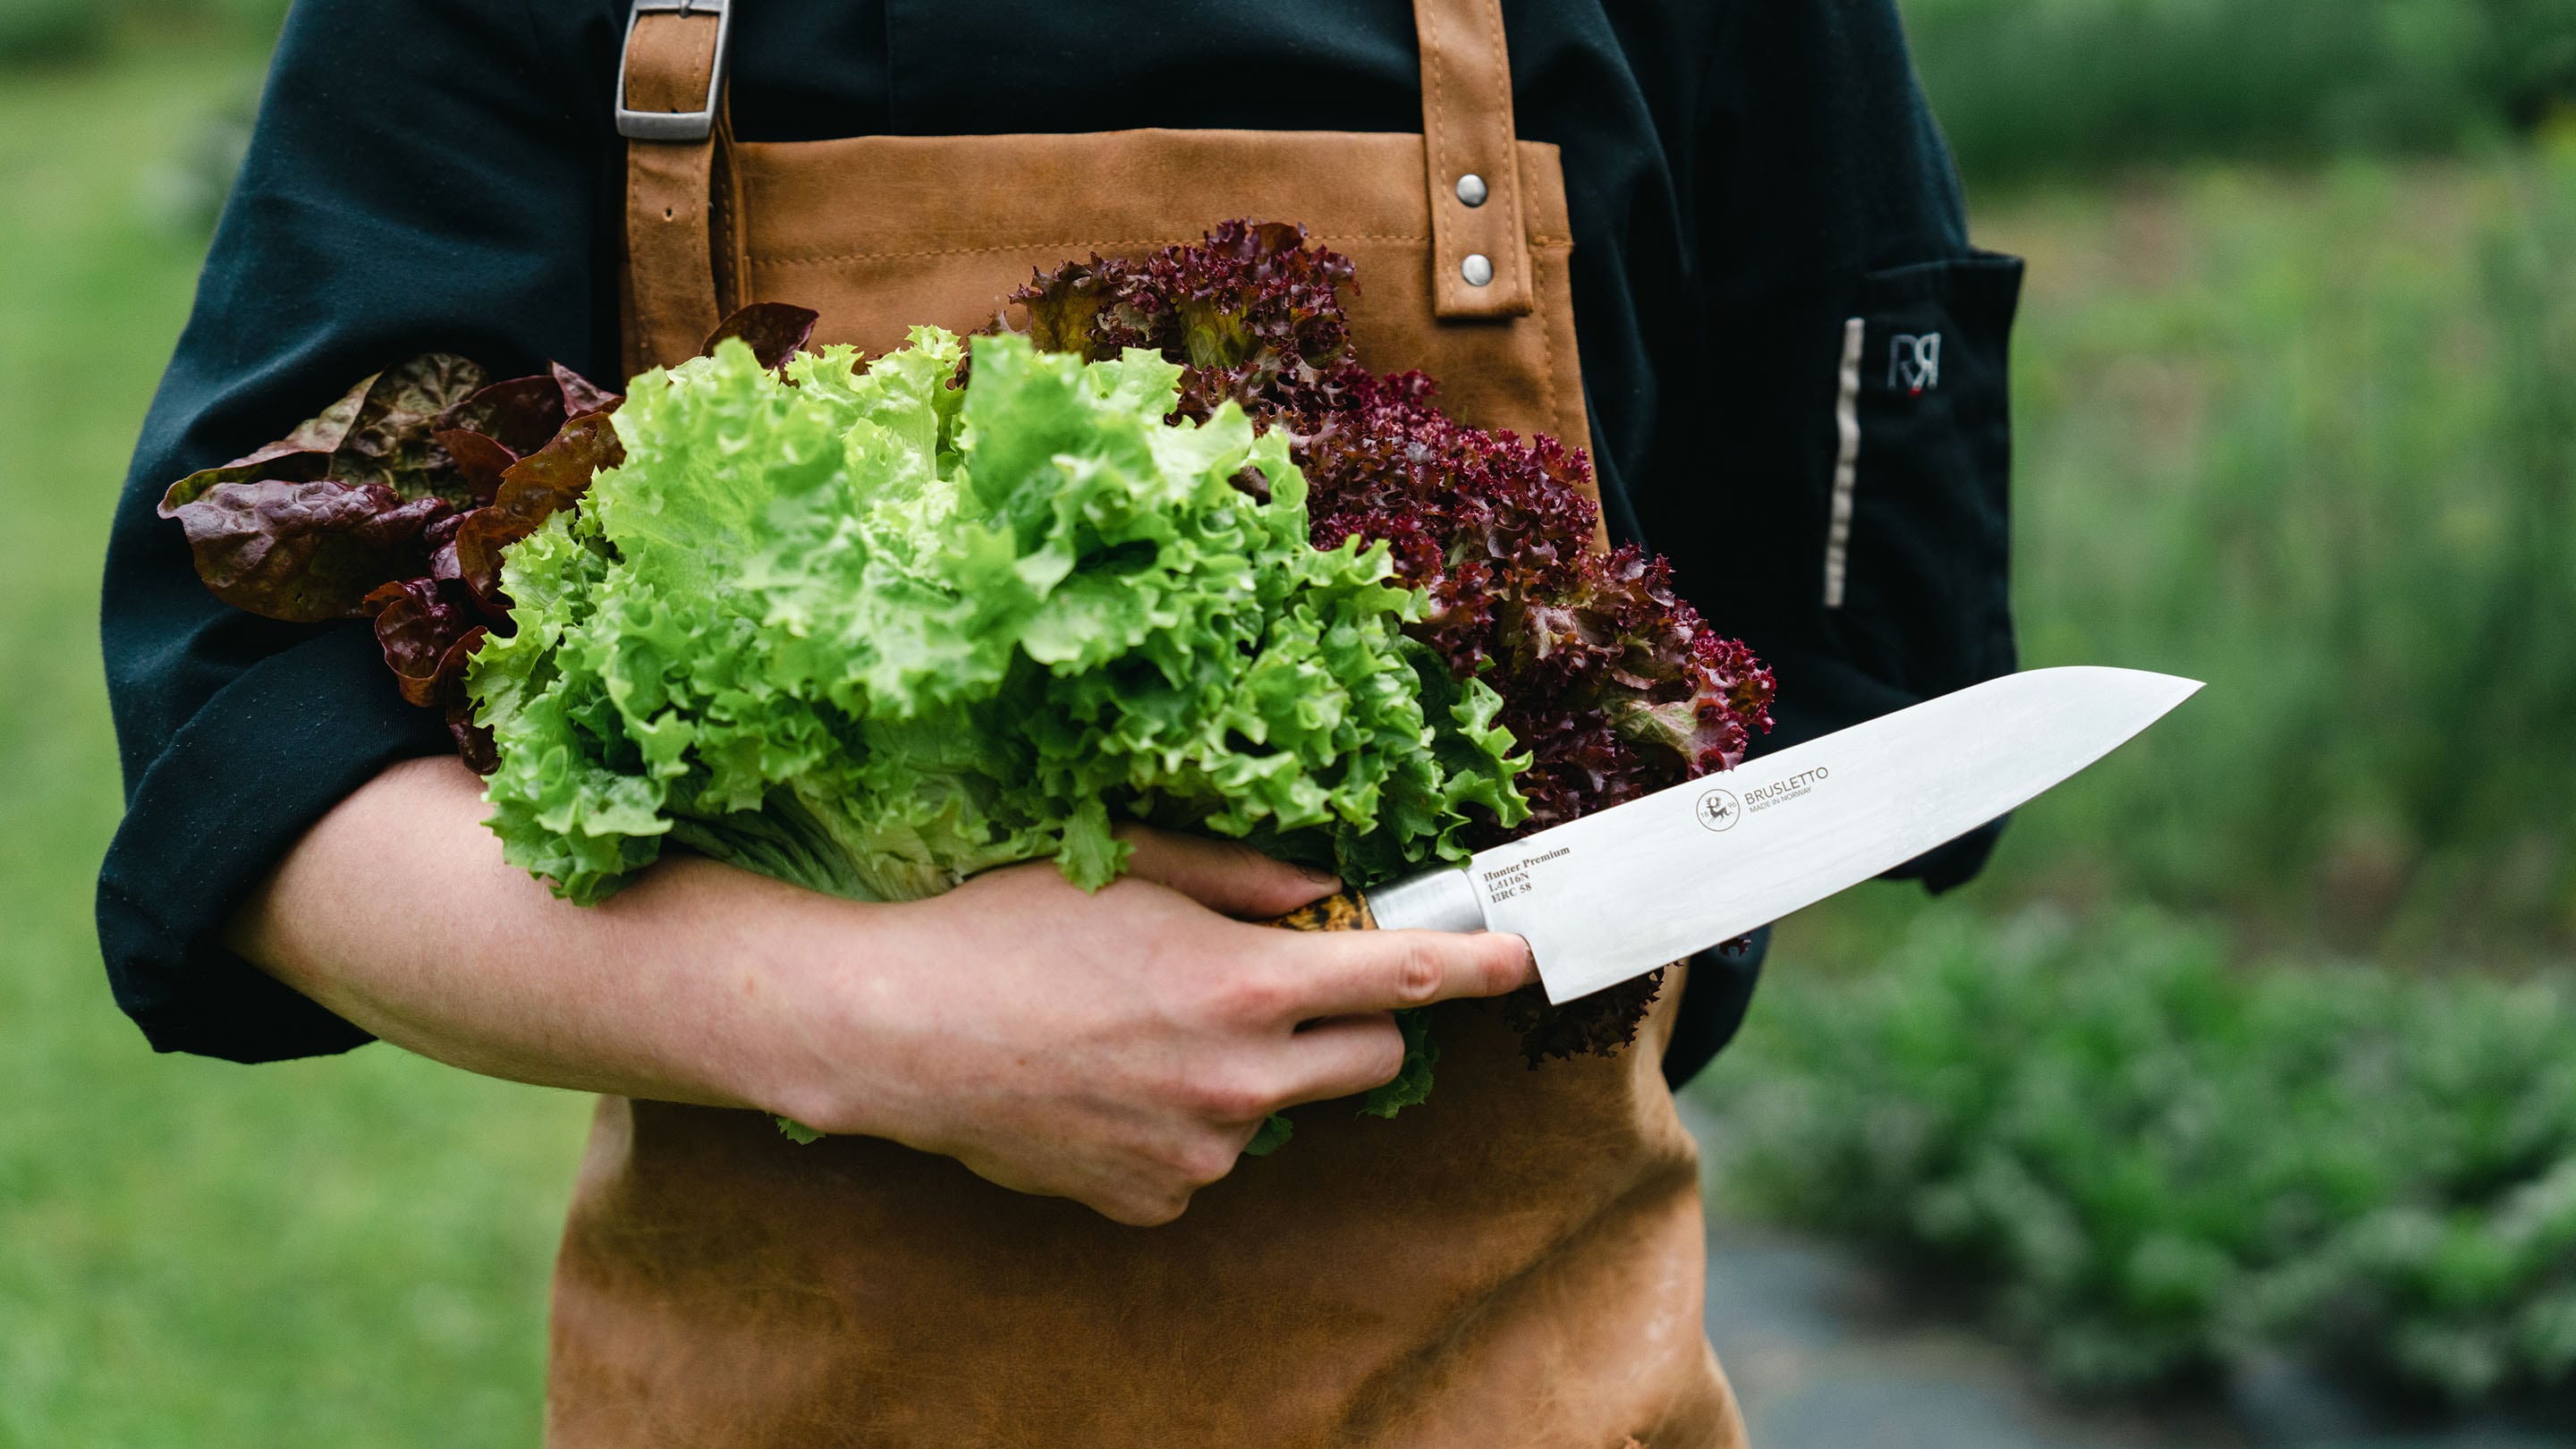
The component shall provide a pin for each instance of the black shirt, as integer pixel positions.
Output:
(1745, 178)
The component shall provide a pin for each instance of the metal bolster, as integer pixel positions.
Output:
(695, 125)
(1440, 900)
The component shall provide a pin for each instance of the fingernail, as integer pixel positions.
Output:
(1319, 875)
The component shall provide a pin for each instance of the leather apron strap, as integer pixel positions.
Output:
(1479, 239)
(671, 111)
(682, 273)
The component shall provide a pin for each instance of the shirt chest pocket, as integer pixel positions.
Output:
(1913, 577)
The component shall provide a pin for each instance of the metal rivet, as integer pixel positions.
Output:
(1478, 269)
(1471, 189)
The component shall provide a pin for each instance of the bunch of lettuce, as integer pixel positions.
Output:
(1615, 686)
(869, 631)
(875, 629)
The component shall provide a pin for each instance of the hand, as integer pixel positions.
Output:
(1119, 1049)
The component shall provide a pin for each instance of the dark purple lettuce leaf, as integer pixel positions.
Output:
(304, 552)
(300, 457)
(394, 504)
(393, 440)
(382, 432)
(509, 420)
(534, 489)
(775, 331)
(1614, 684)
(1600, 1025)
(417, 622)
(519, 414)
(480, 461)
(429, 629)
(580, 395)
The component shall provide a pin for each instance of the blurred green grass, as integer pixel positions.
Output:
(345, 1252)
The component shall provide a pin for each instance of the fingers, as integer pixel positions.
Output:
(1342, 1057)
(1223, 875)
(1348, 973)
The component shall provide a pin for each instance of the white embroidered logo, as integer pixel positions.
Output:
(1914, 363)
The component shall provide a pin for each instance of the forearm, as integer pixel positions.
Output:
(397, 912)
(1117, 1047)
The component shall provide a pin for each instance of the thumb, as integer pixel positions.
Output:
(1226, 876)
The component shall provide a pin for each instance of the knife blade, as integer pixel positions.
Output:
(1619, 893)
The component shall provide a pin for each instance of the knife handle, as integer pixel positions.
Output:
(1347, 911)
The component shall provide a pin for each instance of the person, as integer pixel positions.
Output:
(1789, 365)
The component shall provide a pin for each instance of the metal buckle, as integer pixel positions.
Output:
(694, 125)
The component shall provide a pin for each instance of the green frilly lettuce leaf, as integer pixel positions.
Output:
(865, 630)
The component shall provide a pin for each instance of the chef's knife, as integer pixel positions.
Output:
(1617, 894)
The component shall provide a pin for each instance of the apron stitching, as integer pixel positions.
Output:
(1520, 227)
(1547, 349)
(798, 259)
(1435, 151)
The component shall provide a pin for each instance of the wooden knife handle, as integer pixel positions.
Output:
(1348, 911)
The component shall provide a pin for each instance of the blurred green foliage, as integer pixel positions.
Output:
(2147, 1164)
(2312, 440)
(46, 32)
(350, 1252)
(2029, 87)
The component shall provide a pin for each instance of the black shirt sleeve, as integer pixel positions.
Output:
(423, 177)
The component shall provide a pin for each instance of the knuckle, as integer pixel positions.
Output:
(1183, 1167)
(1205, 1162)
(1418, 973)
(1231, 1097)
(1250, 998)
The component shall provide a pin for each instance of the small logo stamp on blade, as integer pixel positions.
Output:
(1718, 810)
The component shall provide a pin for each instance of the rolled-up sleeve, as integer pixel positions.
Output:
(423, 177)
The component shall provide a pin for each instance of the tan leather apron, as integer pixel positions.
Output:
(1517, 1262)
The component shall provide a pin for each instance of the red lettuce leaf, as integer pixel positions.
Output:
(580, 395)
(518, 414)
(509, 420)
(534, 489)
(417, 624)
(775, 331)
(300, 457)
(428, 630)
(480, 461)
(393, 440)
(394, 504)
(303, 552)
(383, 432)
